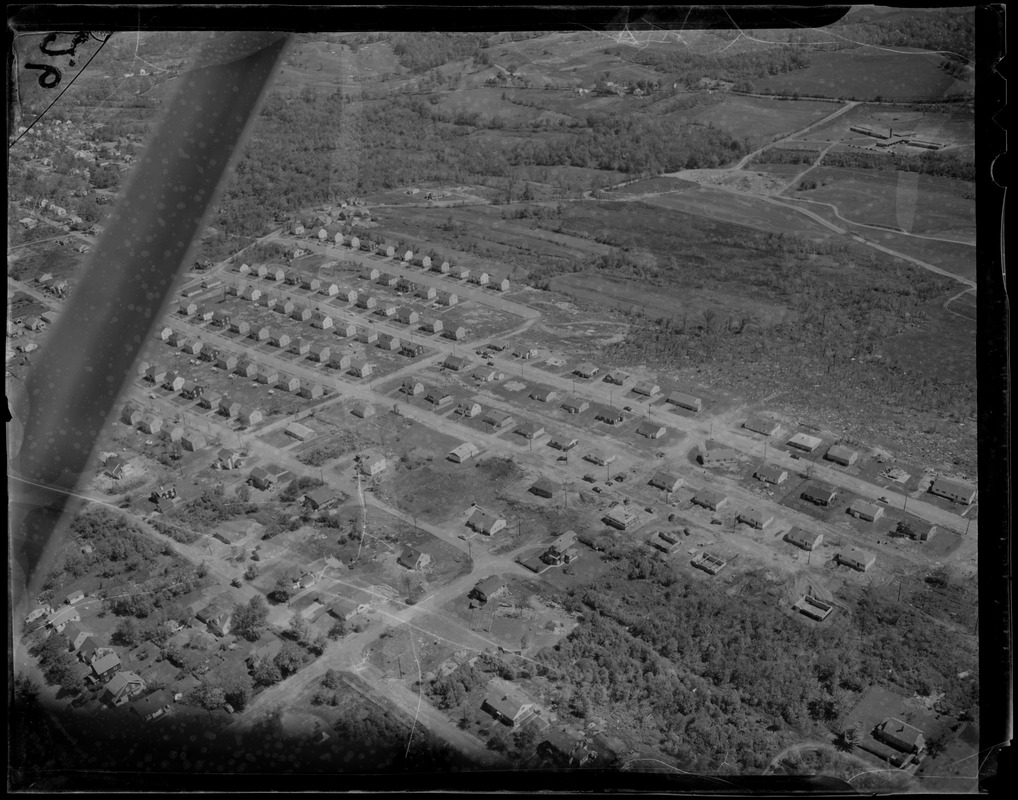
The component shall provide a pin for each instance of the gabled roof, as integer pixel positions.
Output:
(106, 662)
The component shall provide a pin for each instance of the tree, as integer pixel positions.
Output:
(266, 674)
(281, 592)
(525, 738)
(251, 572)
(338, 630)
(289, 659)
(849, 739)
(207, 695)
(249, 619)
(299, 629)
(126, 633)
(331, 679)
(237, 687)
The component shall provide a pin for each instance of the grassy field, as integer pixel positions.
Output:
(719, 205)
(658, 303)
(868, 74)
(915, 203)
(958, 127)
(653, 185)
(945, 345)
(958, 259)
(759, 119)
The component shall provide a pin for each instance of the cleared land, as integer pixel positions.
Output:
(760, 119)
(909, 201)
(868, 73)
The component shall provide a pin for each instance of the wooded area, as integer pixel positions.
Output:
(724, 680)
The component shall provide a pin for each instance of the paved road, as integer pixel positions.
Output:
(744, 161)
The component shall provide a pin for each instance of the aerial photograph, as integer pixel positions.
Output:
(424, 410)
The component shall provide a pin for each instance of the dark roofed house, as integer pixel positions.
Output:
(709, 498)
(666, 481)
(455, 363)
(507, 704)
(611, 416)
(769, 473)
(717, 456)
(154, 706)
(819, 494)
(562, 550)
(840, 454)
(483, 522)
(543, 395)
(901, 736)
(857, 559)
(755, 518)
(561, 749)
(804, 539)
(488, 588)
(761, 425)
(261, 478)
(122, 688)
(530, 430)
(543, 487)
(956, 491)
(105, 663)
(652, 430)
(574, 405)
(321, 498)
(686, 401)
(411, 558)
(438, 397)
(865, 511)
(346, 608)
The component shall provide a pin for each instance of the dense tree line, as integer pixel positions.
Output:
(736, 66)
(314, 148)
(710, 671)
(421, 51)
(636, 145)
(950, 29)
(786, 155)
(940, 165)
(210, 509)
(138, 577)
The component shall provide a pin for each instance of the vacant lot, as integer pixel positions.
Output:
(909, 201)
(652, 186)
(958, 126)
(752, 212)
(660, 303)
(761, 120)
(867, 73)
(945, 346)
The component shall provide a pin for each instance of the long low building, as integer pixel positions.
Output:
(955, 491)
(857, 559)
(686, 401)
(805, 442)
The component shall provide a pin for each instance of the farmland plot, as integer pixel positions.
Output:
(868, 73)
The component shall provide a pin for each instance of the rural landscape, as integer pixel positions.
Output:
(507, 398)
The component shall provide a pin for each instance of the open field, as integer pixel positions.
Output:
(957, 127)
(958, 259)
(61, 261)
(652, 185)
(946, 343)
(759, 119)
(657, 302)
(869, 73)
(912, 202)
(752, 212)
